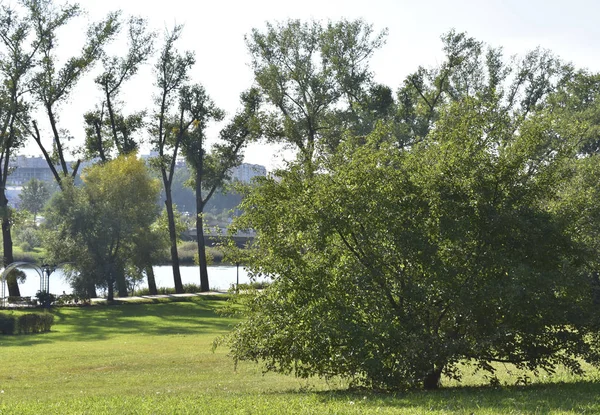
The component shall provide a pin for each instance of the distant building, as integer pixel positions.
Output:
(245, 172)
(179, 161)
(25, 168)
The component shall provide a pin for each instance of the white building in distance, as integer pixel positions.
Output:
(245, 172)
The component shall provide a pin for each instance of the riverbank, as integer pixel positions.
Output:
(221, 278)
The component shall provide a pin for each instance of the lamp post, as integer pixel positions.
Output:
(237, 277)
(47, 269)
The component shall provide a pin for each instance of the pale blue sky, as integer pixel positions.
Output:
(215, 31)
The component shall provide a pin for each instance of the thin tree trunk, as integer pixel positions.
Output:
(111, 291)
(204, 285)
(121, 282)
(57, 142)
(111, 282)
(173, 239)
(151, 280)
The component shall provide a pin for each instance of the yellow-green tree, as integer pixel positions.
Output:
(99, 226)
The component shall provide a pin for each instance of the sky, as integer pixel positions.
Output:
(214, 31)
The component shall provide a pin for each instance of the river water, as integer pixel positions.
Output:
(219, 277)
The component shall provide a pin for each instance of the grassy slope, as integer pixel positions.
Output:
(156, 358)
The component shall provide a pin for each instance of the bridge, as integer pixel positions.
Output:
(213, 237)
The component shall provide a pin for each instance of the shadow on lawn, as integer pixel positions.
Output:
(539, 398)
(102, 322)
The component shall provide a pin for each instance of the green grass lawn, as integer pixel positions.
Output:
(157, 359)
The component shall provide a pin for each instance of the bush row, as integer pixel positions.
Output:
(187, 288)
(25, 323)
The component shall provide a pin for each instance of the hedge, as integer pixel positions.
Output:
(25, 323)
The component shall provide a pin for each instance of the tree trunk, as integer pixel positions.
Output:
(121, 282)
(91, 290)
(111, 292)
(173, 239)
(433, 379)
(151, 281)
(7, 245)
(110, 281)
(204, 286)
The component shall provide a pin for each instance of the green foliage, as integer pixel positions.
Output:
(392, 266)
(28, 238)
(16, 275)
(34, 323)
(100, 226)
(317, 78)
(45, 299)
(8, 323)
(26, 323)
(108, 130)
(34, 196)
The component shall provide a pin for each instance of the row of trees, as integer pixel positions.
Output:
(454, 221)
(36, 87)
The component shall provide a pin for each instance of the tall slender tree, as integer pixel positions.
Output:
(169, 127)
(108, 130)
(210, 168)
(16, 62)
(315, 77)
(52, 86)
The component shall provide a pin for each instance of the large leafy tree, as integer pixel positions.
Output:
(97, 227)
(447, 234)
(396, 266)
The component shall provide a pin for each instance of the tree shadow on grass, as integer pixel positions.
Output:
(582, 396)
(102, 322)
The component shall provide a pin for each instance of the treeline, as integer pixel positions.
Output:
(105, 239)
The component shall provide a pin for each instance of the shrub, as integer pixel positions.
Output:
(28, 237)
(191, 288)
(187, 251)
(34, 323)
(187, 288)
(26, 246)
(71, 299)
(26, 323)
(7, 324)
(45, 299)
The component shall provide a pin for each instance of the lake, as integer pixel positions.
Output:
(219, 277)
